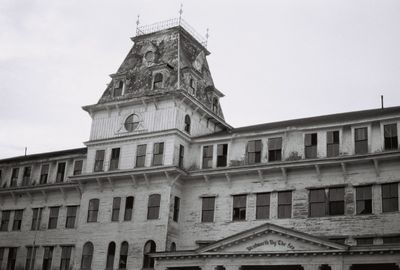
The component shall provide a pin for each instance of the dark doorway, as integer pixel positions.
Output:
(378, 266)
(272, 267)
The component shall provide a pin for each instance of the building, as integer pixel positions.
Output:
(165, 183)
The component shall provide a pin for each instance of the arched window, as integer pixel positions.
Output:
(215, 105)
(158, 80)
(123, 255)
(173, 247)
(93, 210)
(110, 256)
(118, 89)
(153, 208)
(87, 256)
(187, 123)
(149, 247)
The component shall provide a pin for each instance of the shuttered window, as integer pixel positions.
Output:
(390, 137)
(60, 172)
(115, 209)
(207, 156)
(158, 154)
(153, 209)
(99, 161)
(310, 144)
(222, 155)
(44, 174)
(332, 143)
(128, 208)
(253, 154)
(390, 197)
(364, 200)
(71, 217)
(336, 201)
(53, 217)
(93, 210)
(317, 203)
(262, 205)
(141, 155)
(361, 140)
(285, 204)
(114, 161)
(274, 149)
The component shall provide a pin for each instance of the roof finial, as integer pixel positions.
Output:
(207, 36)
(180, 14)
(137, 23)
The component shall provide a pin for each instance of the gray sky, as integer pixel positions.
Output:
(273, 59)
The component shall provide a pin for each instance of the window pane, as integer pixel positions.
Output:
(128, 208)
(115, 210)
(262, 208)
(284, 204)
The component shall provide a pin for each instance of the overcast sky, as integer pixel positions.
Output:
(274, 60)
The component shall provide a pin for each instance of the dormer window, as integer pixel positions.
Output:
(215, 105)
(187, 123)
(192, 87)
(118, 89)
(158, 80)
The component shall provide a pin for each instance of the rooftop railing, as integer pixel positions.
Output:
(152, 28)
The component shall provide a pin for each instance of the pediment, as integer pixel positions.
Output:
(270, 238)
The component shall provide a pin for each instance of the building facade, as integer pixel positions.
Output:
(165, 183)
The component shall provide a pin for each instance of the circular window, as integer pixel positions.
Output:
(132, 122)
(149, 56)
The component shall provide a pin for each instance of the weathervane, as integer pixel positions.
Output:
(137, 23)
(180, 14)
(207, 36)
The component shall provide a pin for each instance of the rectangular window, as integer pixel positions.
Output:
(1, 179)
(44, 174)
(65, 257)
(239, 207)
(390, 135)
(141, 155)
(53, 217)
(310, 144)
(36, 218)
(60, 172)
(177, 202)
(153, 208)
(364, 200)
(207, 156)
(181, 155)
(17, 220)
(12, 258)
(332, 143)
(361, 140)
(390, 197)
(128, 208)
(262, 205)
(78, 165)
(285, 204)
(1, 255)
(115, 209)
(158, 154)
(207, 209)
(93, 210)
(71, 217)
(253, 154)
(317, 202)
(5, 220)
(26, 177)
(114, 162)
(274, 149)
(14, 177)
(222, 155)
(391, 240)
(365, 241)
(47, 258)
(30, 257)
(99, 161)
(336, 201)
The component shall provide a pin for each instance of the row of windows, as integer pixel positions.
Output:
(153, 208)
(254, 147)
(88, 250)
(322, 202)
(70, 221)
(158, 156)
(44, 174)
(47, 263)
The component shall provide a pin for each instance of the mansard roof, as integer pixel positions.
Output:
(158, 52)
(310, 121)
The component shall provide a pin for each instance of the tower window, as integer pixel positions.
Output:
(78, 167)
(207, 156)
(131, 122)
(99, 160)
(141, 155)
(187, 123)
(153, 209)
(181, 155)
(215, 105)
(158, 80)
(222, 154)
(118, 89)
(253, 154)
(177, 203)
(192, 85)
(158, 154)
(114, 158)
